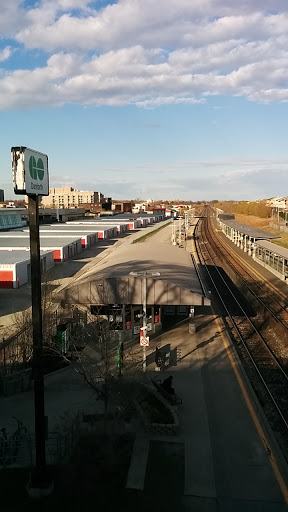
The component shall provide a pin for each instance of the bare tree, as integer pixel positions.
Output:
(97, 353)
(18, 342)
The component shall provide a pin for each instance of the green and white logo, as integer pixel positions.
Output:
(36, 168)
(36, 171)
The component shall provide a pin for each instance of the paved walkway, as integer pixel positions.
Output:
(231, 461)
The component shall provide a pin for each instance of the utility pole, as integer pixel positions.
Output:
(144, 274)
(144, 321)
(186, 224)
(37, 366)
(179, 233)
(173, 236)
(30, 177)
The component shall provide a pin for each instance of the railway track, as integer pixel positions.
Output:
(263, 292)
(261, 358)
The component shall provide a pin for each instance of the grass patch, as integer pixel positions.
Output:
(144, 237)
(257, 222)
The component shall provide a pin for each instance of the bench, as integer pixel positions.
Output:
(173, 399)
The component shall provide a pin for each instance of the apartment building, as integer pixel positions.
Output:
(68, 197)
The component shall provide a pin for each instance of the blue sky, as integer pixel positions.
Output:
(171, 99)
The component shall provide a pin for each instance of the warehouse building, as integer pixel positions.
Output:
(15, 267)
(63, 249)
(121, 225)
(88, 236)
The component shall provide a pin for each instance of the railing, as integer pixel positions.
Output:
(16, 351)
(18, 449)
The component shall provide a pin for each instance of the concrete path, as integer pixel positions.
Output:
(231, 462)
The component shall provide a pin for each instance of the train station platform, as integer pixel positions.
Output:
(230, 457)
(271, 279)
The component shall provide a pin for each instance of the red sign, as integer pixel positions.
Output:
(144, 342)
(156, 319)
(129, 325)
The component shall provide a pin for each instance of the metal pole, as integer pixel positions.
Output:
(174, 232)
(37, 338)
(144, 324)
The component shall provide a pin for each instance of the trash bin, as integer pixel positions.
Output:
(159, 359)
(62, 339)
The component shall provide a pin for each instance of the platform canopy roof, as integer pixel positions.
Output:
(112, 283)
(249, 230)
(274, 248)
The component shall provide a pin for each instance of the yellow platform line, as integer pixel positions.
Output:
(263, 437)
(258, 426)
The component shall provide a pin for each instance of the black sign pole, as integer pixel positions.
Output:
(39, 477)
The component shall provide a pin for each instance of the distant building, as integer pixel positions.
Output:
(1, 195)
(278, 202)
(139, 207)
(11, 218)
(122, 206)
(105, 205)
(68, 197)
(160, 211)
(48, 215)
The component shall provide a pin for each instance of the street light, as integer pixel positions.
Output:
(144, 274)
(173, 236)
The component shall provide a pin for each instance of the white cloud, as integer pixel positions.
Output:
(11, 17)
(167, 101)
(5, 53)
(147, 53)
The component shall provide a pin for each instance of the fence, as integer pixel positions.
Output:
(18, 450)
(17, 350)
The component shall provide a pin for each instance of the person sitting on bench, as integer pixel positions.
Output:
(167, 385)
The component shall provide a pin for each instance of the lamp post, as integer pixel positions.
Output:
(144, 274)
(180, 234)
(173, 237)
(30, 177)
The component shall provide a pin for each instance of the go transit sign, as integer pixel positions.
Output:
(30, 171)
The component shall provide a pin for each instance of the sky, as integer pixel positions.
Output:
(160, 99)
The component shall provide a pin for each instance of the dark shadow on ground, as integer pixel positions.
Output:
(201, 345)
(220, 277)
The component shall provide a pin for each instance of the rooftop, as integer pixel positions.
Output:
(177, 283)
(249, 230)
(24, 241)
(277, 249)
(12, 257)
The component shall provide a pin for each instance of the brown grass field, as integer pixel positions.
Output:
(260, 223)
